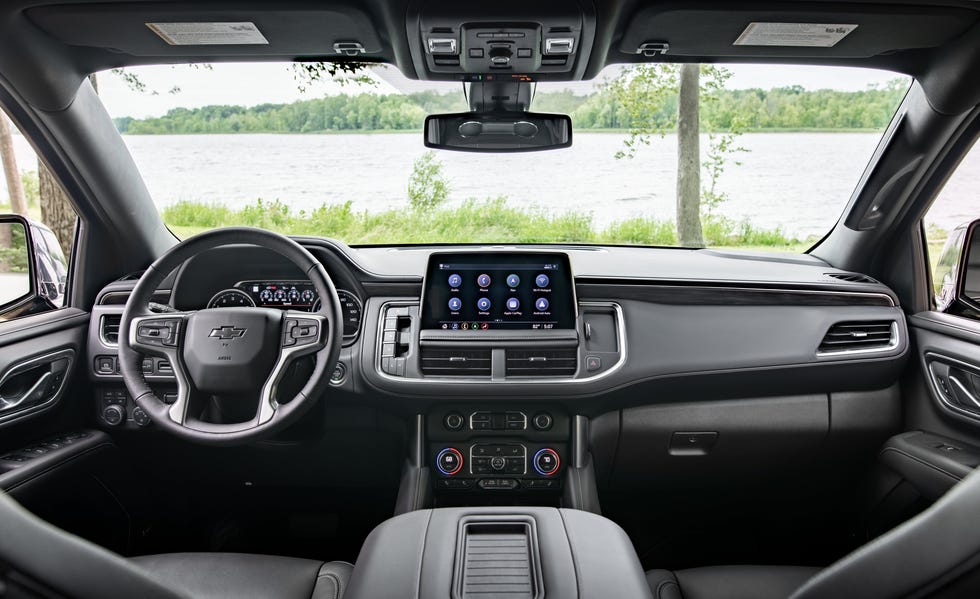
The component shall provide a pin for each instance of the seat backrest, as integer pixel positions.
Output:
(39, 560)
(935, 554)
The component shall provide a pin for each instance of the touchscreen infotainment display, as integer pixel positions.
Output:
(498, 291)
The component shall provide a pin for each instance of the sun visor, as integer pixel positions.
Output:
(248, 29)
(785, 31)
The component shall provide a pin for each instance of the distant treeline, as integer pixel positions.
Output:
(754, 109)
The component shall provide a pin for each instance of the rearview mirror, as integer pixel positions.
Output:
(957, 276)
(498, 131)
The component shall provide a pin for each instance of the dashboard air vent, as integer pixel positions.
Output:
(852, 277)
(859, 336)
(456, 362)
(110, 328)
(541, 362)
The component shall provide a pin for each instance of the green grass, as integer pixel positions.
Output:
(486, 221)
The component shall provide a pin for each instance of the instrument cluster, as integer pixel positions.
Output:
(287, 295)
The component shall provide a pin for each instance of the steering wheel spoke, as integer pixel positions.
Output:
(162, 335)
(303, 333)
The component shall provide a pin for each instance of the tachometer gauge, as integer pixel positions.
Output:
(293, 295)
(266, 296)
(280, 295)
(350, 310)
(231, 298)
(308, 296)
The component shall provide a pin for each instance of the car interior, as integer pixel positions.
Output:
(246, 414)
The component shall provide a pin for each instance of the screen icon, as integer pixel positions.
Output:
(483, 280)
(513, 280)
(455, 280)
(455, 304)
(483, 304)
(465, 326)
(542, 304)
(484, 326)
(513, 304)
(542, 280)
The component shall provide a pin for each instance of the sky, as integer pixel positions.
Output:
(257, 83)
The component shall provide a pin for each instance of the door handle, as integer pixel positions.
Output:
(35, 394)
(963, 390)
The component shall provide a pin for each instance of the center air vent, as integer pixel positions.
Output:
(110, 328)
(456, 362)
(851, 277)
(847, 337)
(541, 362)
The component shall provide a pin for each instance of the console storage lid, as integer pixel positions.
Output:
(523, 552)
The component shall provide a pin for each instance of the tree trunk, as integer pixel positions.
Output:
(689, 158)
(56, 210)
(15, 187)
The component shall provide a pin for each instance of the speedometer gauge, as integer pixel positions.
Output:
(231, 298)
(350, 310)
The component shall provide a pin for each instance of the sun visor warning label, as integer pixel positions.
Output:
(208, 34)
(815, 35)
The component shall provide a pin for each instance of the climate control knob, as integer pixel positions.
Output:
(114, 415)
(546, 461)
(449, 461)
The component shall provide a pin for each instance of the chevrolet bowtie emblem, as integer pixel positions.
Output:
(227, 332)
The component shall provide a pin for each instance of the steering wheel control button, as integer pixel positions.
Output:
(483, 281)
(593, 363)
(542, 304)
(513, 304)
(513, 281)
(542, 421)
(449, 461)
(455, 304)
(454, 421)
(542, 281)
(455, 281)
(546, 461)
(304, 332)
(483, 304)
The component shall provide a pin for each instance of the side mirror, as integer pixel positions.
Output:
(32, 276)
(957, 276)
(499, 131)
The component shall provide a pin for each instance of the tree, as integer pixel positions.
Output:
(659, 97)
(15, 188)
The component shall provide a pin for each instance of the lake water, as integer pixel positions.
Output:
(800, 181)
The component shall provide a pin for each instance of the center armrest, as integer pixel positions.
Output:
(513, 552)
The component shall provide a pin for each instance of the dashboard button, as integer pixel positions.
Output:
(542, 421)
(454, 421)
(546, 461)
(449, 461)
(497, 463)
(593, 363)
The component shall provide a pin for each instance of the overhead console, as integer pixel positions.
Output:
(501, 41)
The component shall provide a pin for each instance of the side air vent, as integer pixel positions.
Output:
(851, 277)
(456, 362)
(109, 328)
(854, 337)
(541, 362)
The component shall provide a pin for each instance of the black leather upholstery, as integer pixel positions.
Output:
(729, 582)
(935, 554)
(247, 576)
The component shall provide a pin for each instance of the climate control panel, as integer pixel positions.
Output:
(475, 448)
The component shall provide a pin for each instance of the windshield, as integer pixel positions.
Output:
(778, 153)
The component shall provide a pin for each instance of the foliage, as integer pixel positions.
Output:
(427, 185)
(32, 187)
(491, 220)
(308, 73)
(14, 257)
(724, 111)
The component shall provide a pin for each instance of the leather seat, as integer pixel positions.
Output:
(729, 582)
(39, 560)
(247, 576)
(935, 554)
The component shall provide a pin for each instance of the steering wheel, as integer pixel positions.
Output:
(234, 352)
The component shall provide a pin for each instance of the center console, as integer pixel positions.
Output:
(459, 553)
